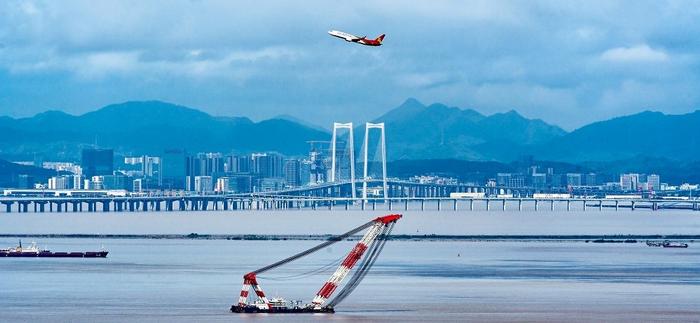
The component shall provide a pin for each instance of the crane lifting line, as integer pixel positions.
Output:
(380, 229)
(365, 266)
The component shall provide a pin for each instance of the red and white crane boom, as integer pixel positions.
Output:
(379, 229)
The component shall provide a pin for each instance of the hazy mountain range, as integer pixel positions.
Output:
(414, 131)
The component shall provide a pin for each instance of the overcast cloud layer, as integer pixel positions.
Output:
(568, 63)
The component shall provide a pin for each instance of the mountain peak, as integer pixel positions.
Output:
(411, 103)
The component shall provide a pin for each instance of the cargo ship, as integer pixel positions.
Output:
(34, 251)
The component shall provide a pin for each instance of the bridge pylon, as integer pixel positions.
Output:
(350, 149)
(382, 148)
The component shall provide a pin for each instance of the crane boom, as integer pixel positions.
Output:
(379, 227)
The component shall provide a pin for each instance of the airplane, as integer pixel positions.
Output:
(360, 40)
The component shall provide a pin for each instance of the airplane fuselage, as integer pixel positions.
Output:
(355, 39)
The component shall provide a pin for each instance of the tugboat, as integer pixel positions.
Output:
(671, 244)
(34, 251)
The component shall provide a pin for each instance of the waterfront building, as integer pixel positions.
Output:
(240, 183)
(629, 182)
(654, 182)
(96, 162)
(137, 185)
(203, 184)
(271, 184)
(223, 185)
(59, 182)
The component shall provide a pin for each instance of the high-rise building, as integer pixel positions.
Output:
(539, 180)
(268, 165)
(573, 179)
(238, 164)
(503, 179)
(305, 172)
(137, 186)
(591, 179)
(96, 162)
(223, 185)
(292, 172)
(629, 182)
(654, 182)
(174, 169)
(203, 184)
(516, 180)
(114, 182)
(62, 182)
(241, 183)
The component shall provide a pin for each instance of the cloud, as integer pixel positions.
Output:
(424, 80)
(637, 54)
(192, 63)
(567, 63)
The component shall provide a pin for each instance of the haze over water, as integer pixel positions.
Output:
(146, 280)
(180, 280)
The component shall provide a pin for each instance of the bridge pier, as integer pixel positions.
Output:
(24, 206)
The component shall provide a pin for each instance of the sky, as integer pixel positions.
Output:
(566, 62)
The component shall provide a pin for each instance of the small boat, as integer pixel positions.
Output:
(34, 251)
(655, 243)
(672, 244)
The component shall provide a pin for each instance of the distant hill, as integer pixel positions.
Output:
(150, 127)
(643, 135)
(9, 173)
(416, 131)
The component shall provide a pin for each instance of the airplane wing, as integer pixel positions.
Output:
(344, 35)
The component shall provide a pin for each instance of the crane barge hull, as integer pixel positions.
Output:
(255, 309)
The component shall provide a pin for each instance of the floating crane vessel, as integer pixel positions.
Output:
(370, 245)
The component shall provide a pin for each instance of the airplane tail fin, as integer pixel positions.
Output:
(380, 38)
